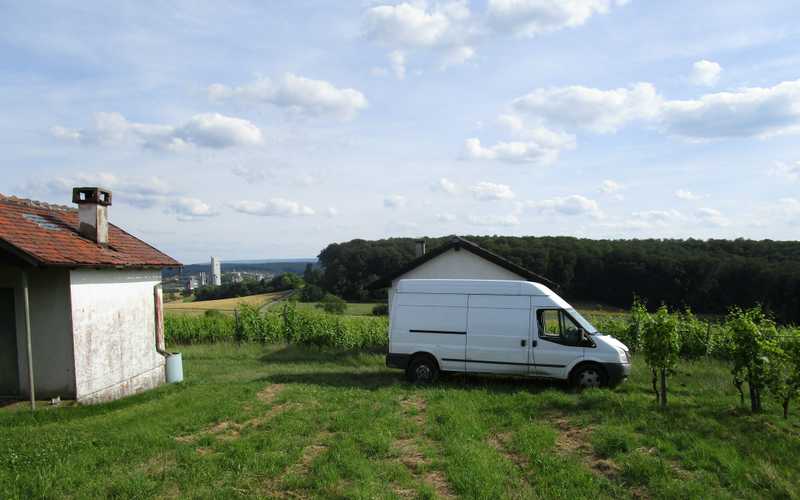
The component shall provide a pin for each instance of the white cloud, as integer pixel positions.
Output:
(705, 73)
(440, 26)
(567, 205)
(297, 93)
(275, 207)
(711, 216)
(189, 209)
(446, 186)
(788, 171)
(487, 191)
(601, 111)
(493, 220)
(210, 130)
(790, 207)
(658, 217)
(332, 212)
(250, 174)
(684, 194)
(610, 187)
(748, 112)
(542, 148)
(445, 217)
(413, 24)
(214, 130)
(533, 17)
(394, 201)
(138, 192)
(457, 55)
(397, 59)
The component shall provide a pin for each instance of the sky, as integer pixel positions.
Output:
(251, 130)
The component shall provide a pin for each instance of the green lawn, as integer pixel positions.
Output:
(257, 421)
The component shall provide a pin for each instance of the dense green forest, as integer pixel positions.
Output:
(707, 276)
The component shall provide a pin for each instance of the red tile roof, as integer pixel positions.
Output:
(47, 235)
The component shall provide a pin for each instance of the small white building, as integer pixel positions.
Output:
(458, 259)
(80, 302)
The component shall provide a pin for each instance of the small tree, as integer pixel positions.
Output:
(333, 304)
(751, 337)
(783, 370)
(661, 346)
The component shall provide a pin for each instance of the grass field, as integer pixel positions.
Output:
(227, 306)
(255, 421)
(353, 308)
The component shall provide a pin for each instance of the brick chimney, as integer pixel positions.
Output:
(93, 203)
(420, 248)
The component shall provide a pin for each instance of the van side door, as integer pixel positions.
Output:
(435, 323)
(498, 334)
(558, 342)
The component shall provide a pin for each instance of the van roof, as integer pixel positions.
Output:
(479, 287)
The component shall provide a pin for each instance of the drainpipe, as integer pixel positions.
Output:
(158, 297)
(27, 307)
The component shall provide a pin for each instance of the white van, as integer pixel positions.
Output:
(497, 326)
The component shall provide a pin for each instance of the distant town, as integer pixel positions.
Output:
(217, 273)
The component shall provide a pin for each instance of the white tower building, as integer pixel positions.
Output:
(216, 272)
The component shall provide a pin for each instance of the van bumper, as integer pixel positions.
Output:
(397, 360)
(617, 372)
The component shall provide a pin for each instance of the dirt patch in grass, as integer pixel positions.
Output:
(500, 443)
(275, 487)
(574, 440)
(410, 455)
(415, 407)
(268, 393)
(157, 465)
(231, 431)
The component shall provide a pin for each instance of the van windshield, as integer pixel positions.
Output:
(582, 321)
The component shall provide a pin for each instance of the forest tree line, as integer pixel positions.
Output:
(708, 276)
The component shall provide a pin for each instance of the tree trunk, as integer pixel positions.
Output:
(786, 408)
(753, 393)
(741, 392)
(663, 387)
(655, 383)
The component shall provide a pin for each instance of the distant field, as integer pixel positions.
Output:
(353, 308)
(223, 305)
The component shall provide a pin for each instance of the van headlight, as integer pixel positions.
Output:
(624, 356)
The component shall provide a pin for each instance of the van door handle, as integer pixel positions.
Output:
(523, 342)
(534, 343)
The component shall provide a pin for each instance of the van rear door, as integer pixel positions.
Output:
(498, 334)
(435, 323)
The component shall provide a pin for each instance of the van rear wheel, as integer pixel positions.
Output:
(422, 370)
(589, 376)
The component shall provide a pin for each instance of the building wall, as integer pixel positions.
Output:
(51, 331)
(113, 316)
(454, 264)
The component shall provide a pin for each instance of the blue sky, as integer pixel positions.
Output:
(270, 129)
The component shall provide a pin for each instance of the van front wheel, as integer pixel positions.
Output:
(422, 370)
(589, 376)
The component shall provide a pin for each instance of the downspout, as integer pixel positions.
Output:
(158, 297)
(27, 307)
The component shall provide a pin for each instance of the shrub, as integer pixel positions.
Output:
(783, 371)
(380, 310)
(333, 304)
(661, 347)
(288, 324)
(751, 337)
(311, 293)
